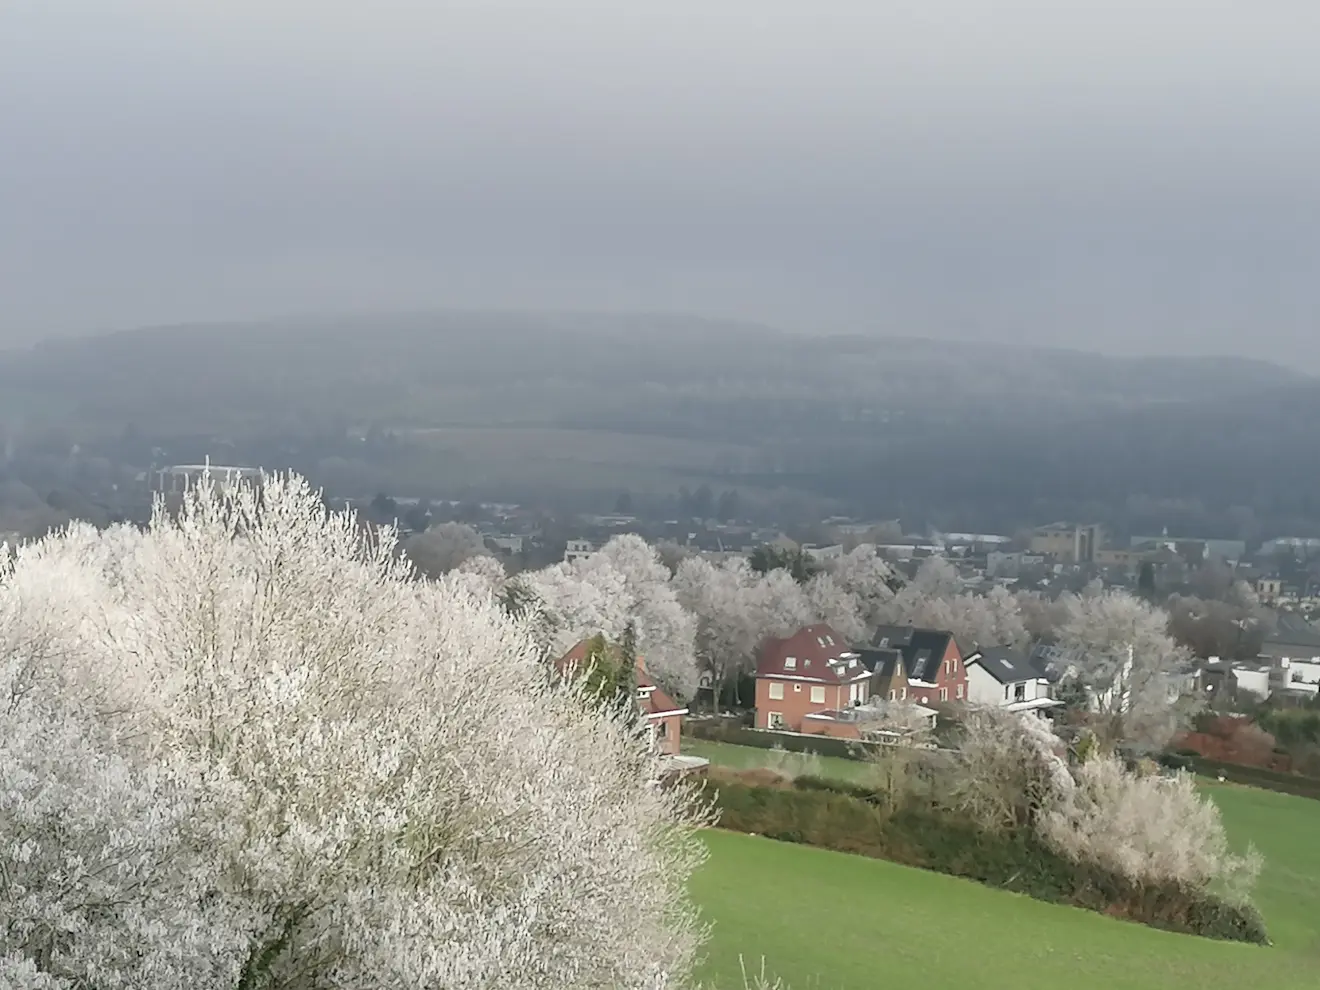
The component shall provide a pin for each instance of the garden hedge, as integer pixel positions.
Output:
(1270, 780)
(724, 730)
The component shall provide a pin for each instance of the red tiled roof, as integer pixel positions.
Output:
(652, 701)
(817, 653)
(576, 656)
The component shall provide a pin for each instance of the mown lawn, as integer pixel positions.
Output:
(1287, 831)
(793, 764)
(830, 921)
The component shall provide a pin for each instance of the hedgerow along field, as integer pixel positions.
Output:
(829, 921)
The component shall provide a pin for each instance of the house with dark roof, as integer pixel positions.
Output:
(908, 663)
(812, 671)
(1008, 678)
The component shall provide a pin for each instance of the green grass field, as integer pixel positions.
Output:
(830, 921)
(791, 764)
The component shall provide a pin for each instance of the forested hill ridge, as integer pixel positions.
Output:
(958, 435)
(656, 372)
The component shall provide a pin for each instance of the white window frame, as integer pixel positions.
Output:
(776, 691)
(790, 663)
(960, 692)
(817, 694)
(944, 694)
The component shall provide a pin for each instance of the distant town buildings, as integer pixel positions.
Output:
(1068, 542)
(180, 477)
(578, 550)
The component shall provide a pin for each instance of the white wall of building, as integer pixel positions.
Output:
(1256, 682)
(1302, 675)
(984, 689)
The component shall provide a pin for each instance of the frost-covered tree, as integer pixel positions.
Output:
(1121, 651)
(936, 578)
(483, 575)
(720, 598)
(780, 605)
(1041, 616)
(834, 604)
(624, 582)
(936, 601)
(1008, 770)
(868, 578)
(244, 749)
(440, 549)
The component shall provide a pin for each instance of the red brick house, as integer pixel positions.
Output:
(924, 666)
(663, 714)
(811, 671)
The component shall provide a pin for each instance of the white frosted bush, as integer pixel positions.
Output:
(1149, 829)
(307, 770)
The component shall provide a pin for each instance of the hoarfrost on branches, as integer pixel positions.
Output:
(624, 582)
(441, 548)
(309, 769)
(1123, 654)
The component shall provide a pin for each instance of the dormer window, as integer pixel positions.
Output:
(790, 663)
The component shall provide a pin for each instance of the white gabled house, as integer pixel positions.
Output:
(1010, 679)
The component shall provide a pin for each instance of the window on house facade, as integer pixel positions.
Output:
(904, 697)
(790, 663)
(944, 694)
(776, 692)
(818, 696)
(775, 720)
(960, 690)
(893, 695)
(1019, 692)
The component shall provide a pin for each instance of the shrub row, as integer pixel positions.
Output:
(723, 730)
(1270, 780)
(853, 819)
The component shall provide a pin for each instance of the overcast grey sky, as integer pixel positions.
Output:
(1125, 175)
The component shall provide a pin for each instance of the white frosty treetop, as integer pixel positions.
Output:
(245, 748)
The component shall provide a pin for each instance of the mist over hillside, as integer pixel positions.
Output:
(961, 434)
(428, 369)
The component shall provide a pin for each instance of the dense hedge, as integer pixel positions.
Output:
(723, 730)
(1270, 780)
(853, 819)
